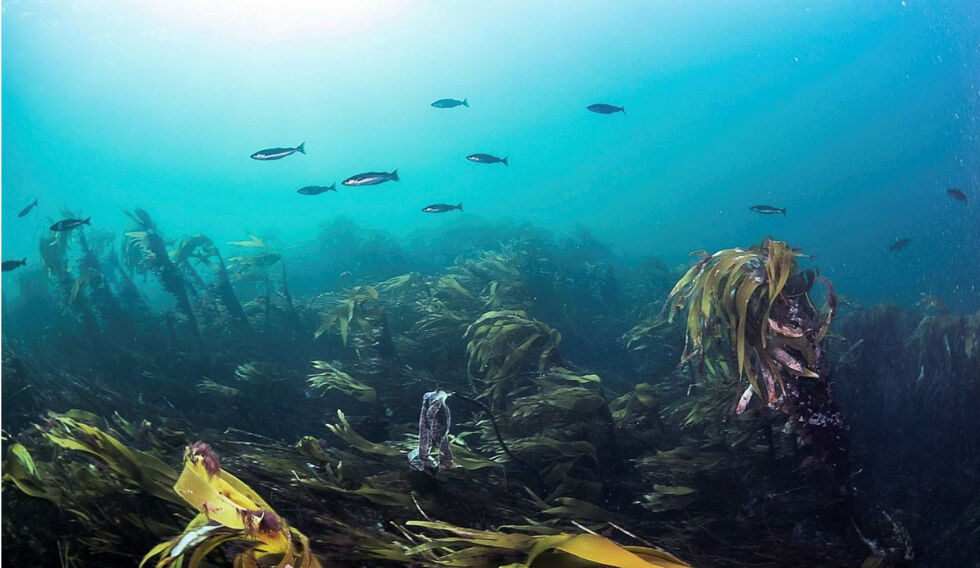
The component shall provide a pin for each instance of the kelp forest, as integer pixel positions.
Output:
(476, 396)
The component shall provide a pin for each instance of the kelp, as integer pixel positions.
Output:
(470, 548)
(144, 250)
(344, 431)
(503, 344)
(743, 296)
(361, 309)
(144, 470)
(331, 378)
(20, 469)
(207, 386)
(229, 511)
(68, 287)
(202, 249)
(260, 373)
(497, 276)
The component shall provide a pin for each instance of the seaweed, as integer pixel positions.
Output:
(229, 511)
(502, 344)
(203, 250)
(144, 250)
(331, 378)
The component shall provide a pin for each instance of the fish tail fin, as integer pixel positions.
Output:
(466, 103)
(301, 148)
(24, 262)
(394, 175)
(35, 201)
(783, 211)
(460, 206)
(622, 110)
(333, 187)
(88, 220)
(505, 161)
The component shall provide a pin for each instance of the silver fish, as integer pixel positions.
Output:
(69, 224)
(767, 209)
(371, 178)
(441, 208)
(278, 153)
(487, 159)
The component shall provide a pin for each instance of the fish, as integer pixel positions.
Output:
(900, 244)
(441, 208)
(953, 192)
(9, 265)
(767, 209)
(69, 224)
(27, 209)
(371, 178)
(252, 242)
(278, 153)
(316, 189)
(450, 103)
(487, 159)
(603, 108)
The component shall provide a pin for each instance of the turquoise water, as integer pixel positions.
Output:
(855, 116)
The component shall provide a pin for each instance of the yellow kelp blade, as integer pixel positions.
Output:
(212, 496)
(472, 548)
(604, 552)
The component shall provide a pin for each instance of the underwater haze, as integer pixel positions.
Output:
(620, 284)
(855, 117)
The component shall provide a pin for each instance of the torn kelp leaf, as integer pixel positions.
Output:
(433, 427)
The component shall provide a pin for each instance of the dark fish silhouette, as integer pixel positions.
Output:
(278, 153)
(316, 189)
(900, 244)
(954, 193)
(441, 208)
(371, 178)
(9, 265)
(27, 209)
(69, 224)
(450, 103)
(603, 108)
(487, 159)
(767, 210)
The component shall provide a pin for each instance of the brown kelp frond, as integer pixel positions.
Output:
(402, 289)
(503, 345)
(947, 347)
(20, 469)
(360, 309)
(261, 373)
(209, 387)
(329, 378)
(471, 548)
(202, 249)
(344, 431)
(142, 469)
(145, 250)
(497, 277)
(752, 307)
(228, 511)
